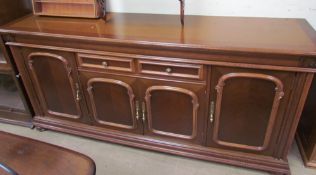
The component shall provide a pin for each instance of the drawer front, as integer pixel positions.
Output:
(106, 62)
(192, 71)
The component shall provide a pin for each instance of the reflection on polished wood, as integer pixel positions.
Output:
(215, 33)
(31, 157)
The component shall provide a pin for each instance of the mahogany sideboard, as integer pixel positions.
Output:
(223, 89)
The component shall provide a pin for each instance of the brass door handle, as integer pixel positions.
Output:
(78, 97)
(137, 109)
(212, 110)
(144, 111)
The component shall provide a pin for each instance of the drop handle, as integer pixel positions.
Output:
(137, 109)
(144, 111)
(212, 110)
(78, 97)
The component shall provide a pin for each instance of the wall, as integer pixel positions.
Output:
(256, 8)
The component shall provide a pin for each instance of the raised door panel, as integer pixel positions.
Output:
(56, 83)
(112, 101)
(173, 110)
(247, 107)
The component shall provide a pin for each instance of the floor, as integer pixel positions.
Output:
(112, 159)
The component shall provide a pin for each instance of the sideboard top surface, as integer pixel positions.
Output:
(247, 34)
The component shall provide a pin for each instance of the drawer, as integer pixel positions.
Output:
(192, 71)
(106, 62)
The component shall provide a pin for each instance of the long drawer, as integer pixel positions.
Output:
(170, 69)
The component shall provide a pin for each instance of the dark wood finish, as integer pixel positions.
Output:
(70, 8)
(174, 110)
(306, 133)
(171, 69)
(262, 82)
(283, 36)
(249, 104)
(110, 62)
(112, 101)
(55, 72)
(20, 153)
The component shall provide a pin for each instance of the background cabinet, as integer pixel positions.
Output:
(247, 108)
(14, 105)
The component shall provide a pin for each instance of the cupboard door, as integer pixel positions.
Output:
(56, 84)
(173, 110)
(112, 101)
(247, 108)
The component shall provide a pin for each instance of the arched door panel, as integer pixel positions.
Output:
(174, 111)
(112, 101)
(55, 82)
(246, 108)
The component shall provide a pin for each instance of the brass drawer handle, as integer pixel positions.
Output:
(168, 70)
(105, 64)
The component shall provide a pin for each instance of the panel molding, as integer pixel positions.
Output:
(94, 109)
(195, 107)
(279, 93)
(68, 69)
